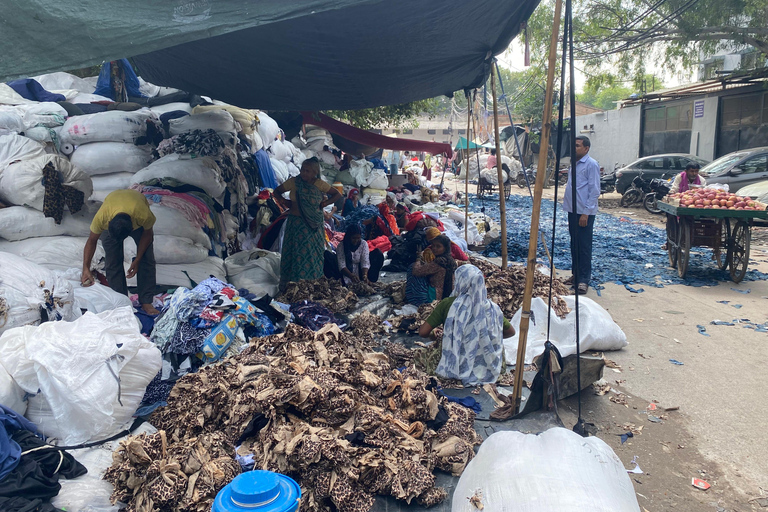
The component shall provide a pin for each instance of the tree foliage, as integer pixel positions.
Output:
(603, 90)
(394, 116)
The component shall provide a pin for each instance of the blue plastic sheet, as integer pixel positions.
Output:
(622, 248)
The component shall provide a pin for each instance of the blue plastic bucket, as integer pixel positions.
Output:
(259, 491)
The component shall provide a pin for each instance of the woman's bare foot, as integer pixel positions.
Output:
(150, 309)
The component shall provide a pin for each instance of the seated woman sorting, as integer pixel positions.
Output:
(383, 224)
(353, 261)
(456, 251)
(473, 333)
(428, 281)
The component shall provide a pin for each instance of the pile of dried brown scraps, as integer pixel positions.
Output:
(505, 287)
(337, 417)
(328, 292)
(394, 290)
(366, 326)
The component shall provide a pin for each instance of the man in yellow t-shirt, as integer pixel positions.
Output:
(124, 213)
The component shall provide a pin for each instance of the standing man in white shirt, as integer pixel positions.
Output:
(581, 220)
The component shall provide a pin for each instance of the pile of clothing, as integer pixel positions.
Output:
(321, 407)
(505, 287)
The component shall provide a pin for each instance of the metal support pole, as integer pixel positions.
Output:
(502, 201)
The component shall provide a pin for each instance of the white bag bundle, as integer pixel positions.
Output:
(98, 298)
(279, 151)
(110, 126)
(257, 270)
(47, 114)
(268, 128)
(11, 395)
(112, 182)
(202, 172)
(55, 252)
(110, 157)
(170, 107)
(492, 176)
(17, 147)
(256, 142)
(246, 119)
(11, 121)
(21, 183)
(597, 329)
(219, 121)
(60, 80)
(170, 250)
(88, 376)
(25, 285)
(557, 470)
(20, 222)
(172, 222)
(43, 134)
(281, 170)
(472, 169)
(473, 236)
(174, 275)
(86, 97)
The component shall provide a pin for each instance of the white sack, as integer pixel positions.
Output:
(98, 298)
(201, 172)
(492, 176)
(268, 128)
(219, 121)
(46, 113)
(170, 107)
(69, 367)
(172, 222)
(11, 121)
(557, 470)
(597, 329)
(293, 171)
(85, 97)
(22, 183)
(169, 250)
(173, 275)
(10, 97)
(11, 395)
(110, 157)
(17, 147)
(24, 286)
(257, 270)
(61, 80)
(55, 252)
(256, 142)
(112, 182)
(279, 151)
(281, 170)
(44, 135)
(473, 236)
(21, 222)
(110, 126)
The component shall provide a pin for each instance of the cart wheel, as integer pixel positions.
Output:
(738, 251)
(721, 251)
(684, 248)
(672, 240)
(521, 180)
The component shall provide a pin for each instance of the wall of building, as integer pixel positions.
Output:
(704, 128)
(614, 134)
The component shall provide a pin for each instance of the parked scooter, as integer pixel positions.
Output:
(636, 192)
(659, 189)
(520, 180)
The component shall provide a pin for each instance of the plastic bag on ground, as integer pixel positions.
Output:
(27, 287)
(21, 183)
(257, 270)
(21, 222)
(110, 157)
(170, 250)
(110, 126)
(55, 252)
(87, 376)
(17, 147)
(597, 329)
(200, 172)
(557, 470)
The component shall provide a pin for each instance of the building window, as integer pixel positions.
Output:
(655, 120)
(407, 132)
(377, 131)
(446, 131)
(669, 119)
(462, 132)
(431, 132)
(711, 69)
(446, 142)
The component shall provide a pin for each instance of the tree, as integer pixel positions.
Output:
(603, 90)
(394, 116)
(630, 34)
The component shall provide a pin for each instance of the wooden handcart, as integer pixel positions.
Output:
(727, 232)
(484, 187)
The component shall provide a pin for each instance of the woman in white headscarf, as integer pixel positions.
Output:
(474, 330)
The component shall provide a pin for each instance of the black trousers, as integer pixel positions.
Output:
(584, 235)
(146, 275)
(331, 265)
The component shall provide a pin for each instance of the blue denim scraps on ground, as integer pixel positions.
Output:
(621, 249)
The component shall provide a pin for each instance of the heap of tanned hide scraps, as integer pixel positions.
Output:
(366, 326)
(320, 407)
(327, 292)
(505, 287)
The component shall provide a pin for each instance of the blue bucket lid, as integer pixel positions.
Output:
(259, 491)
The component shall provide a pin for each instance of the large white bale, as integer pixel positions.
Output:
(176, 275)
(268, 128)
(201, 172)
(110, 126)
(21, 222)
(55, 252)
(257, 270)
(170, 250)
(21, 183)
(557, 470)
(112, 182)
(219, 121)
(15, 147)
(99, 158)
(172, 222)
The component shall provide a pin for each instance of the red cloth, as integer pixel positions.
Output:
(415, 217)
(457, 253)
(382, 243)
(391, 221)
(427, 173)
(373, 139)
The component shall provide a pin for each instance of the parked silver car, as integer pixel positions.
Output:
(738, 169)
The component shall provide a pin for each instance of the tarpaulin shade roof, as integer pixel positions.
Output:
(271, 54)
(374, 140)
(462, 144)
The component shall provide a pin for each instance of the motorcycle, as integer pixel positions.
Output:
(636, 192)
(659, 189)
(520, 180)
(608, 180)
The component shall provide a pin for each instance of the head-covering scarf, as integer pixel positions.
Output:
(309, 199)
(432, 233)
(446, 261)
(684, 181)
(352, 230)
(389, 220)
(352, 192)
(472, 336)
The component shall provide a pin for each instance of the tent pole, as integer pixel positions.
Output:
(502, 202)
(530, 269)
(466, 176)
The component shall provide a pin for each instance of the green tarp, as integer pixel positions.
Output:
(462, 144)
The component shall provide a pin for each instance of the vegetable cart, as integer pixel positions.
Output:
(727, 232)
(486, 187)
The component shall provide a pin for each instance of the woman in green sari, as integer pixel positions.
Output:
(304, 240)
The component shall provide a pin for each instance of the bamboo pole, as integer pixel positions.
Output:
(546, 128)
(502, 202)
(466, 176)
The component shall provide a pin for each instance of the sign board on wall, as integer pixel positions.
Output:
(698, 108)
